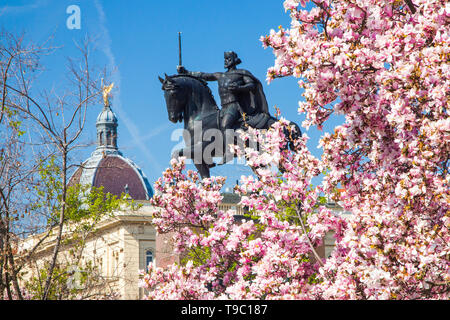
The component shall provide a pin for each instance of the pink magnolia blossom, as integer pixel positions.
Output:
(385, 67)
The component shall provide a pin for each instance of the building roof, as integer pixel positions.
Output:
(229, 197)
(106, 116)
(115, 173)
(108, 167)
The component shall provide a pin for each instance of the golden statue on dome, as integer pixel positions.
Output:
(106, 93)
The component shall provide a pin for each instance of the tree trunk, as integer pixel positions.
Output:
(56, 249)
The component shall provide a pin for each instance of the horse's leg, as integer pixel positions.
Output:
(202, 161)
(195, 152)
(178, 153)
(203, 169)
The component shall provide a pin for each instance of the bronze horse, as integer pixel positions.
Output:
(189, 100)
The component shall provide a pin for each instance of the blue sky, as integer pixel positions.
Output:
(139, 40)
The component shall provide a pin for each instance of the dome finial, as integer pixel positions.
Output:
(106, 123)
(106, 93)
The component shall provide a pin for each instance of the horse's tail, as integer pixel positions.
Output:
(293, 133)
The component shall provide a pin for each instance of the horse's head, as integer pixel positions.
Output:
(175, 96)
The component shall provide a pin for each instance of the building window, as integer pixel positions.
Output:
(114, 142)
(148, 257)
(108, 138)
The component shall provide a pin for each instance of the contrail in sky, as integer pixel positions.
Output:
(134, 131)
(18, 9)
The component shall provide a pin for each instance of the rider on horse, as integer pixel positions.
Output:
(240, 93)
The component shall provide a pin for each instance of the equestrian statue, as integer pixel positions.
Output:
(189, 99)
